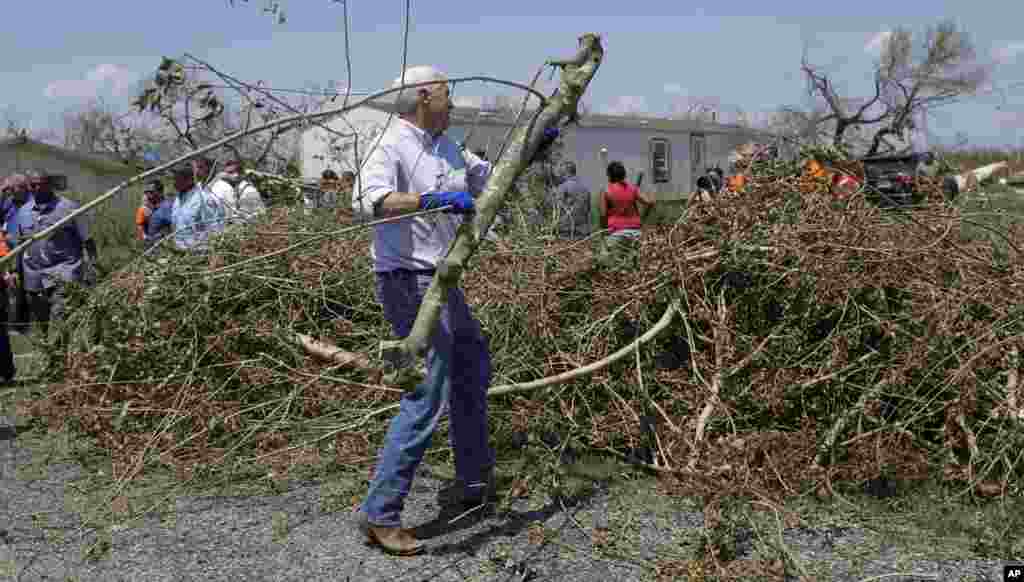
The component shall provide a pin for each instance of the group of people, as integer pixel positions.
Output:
(416, 167)
(36, 279)
(200, 208)
(619, 211)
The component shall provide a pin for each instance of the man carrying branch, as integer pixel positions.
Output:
(415, 167)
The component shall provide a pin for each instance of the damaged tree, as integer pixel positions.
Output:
(908, 82)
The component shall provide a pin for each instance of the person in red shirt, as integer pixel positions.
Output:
(620, 209)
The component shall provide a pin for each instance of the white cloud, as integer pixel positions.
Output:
(626, 104)
(874, 45)
(1008, 53)
(105, 76)
(674, 88)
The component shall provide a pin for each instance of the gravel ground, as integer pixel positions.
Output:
(292, 537)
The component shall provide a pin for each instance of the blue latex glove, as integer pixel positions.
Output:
(550, 135)
(460, 202)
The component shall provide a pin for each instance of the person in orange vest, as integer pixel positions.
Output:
(153, 218)
(6, 204)
(814, 169)
(8, 280)
(16, 194)
(736, 183)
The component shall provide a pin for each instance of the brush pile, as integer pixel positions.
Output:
(817, 340)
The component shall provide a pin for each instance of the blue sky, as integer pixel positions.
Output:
(745, 53)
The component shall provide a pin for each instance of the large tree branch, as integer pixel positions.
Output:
(401, 355)
(289, 122)
(358, 361)
(821, 85)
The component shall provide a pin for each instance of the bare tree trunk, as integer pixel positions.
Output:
(400, 355)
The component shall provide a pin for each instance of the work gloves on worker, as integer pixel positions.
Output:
(458, 202)
(461, 202)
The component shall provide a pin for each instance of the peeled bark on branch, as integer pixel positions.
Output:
(357, 361)
(400, 355)
(332, 353)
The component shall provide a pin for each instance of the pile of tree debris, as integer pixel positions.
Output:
(800, 339)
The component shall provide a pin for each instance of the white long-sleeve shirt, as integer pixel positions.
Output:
(241, 203)
(408, 159)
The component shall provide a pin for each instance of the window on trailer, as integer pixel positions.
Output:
(661, 160)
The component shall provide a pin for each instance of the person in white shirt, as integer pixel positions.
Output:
(196, 214)
(241, 200)
(416, 167)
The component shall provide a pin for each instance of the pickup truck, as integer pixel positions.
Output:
(891, 179)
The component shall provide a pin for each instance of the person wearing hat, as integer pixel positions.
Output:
(153, 218)
(196, 213)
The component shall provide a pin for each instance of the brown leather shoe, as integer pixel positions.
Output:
(393, 540)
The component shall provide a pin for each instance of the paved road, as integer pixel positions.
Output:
(292, 536)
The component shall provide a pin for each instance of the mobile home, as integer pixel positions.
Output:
(670, 154)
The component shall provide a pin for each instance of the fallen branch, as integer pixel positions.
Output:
(657, 440)
(330, 352)
(716, 382)
(1011, 407)
(828, 444)
(333, 353)
(296, 120)
(647, 336)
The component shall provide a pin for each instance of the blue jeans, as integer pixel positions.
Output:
(458, 373)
